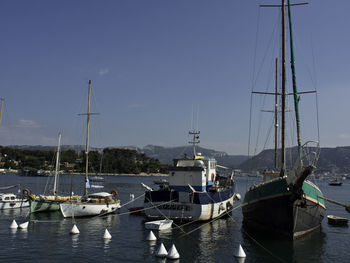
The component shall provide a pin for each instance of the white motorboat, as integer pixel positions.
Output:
(159, 224)
(10, 200)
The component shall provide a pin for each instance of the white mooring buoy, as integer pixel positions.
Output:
(173, 254)
(239, 253)
(161, 252)
(107, 235)
(13, 224)
(74, 230)
(23, 225)
(151, 236)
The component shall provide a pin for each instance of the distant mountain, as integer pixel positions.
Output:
(76, 148)
(334, 160)
(167, 154)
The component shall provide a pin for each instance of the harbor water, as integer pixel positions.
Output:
(47, 238)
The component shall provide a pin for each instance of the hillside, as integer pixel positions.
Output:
(334, 160)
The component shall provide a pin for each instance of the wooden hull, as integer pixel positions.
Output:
(41, 205)
(281, 215)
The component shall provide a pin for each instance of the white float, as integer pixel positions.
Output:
(239, 253)
(13, 224)
(151, 236)
(74, 230)
(23, 225)
(173, 254)
(161, 252)
(107, 235)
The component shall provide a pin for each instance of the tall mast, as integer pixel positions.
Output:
(57, 164)
(283, 104)
(295, 90)
(276, 113)
(87, 143)
(1, 107)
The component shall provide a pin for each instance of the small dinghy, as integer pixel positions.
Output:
(337, 220)
(159, 224)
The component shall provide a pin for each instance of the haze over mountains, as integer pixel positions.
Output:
(334, 160)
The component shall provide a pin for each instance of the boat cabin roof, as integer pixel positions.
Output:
(100, 195)
(7, 195)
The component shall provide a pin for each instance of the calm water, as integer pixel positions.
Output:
(47, 238)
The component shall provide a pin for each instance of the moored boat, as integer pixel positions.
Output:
(194, 191)
(289, 205)
(337, 220)
(94, 203)
(10, 201)
(49, 203)
(159, 224)
(335, 182)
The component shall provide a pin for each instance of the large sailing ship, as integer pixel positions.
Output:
(288, 205)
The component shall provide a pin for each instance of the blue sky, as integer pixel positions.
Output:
(152, 61)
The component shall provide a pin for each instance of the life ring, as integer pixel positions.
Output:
(212, 177)
(114, 193)
(26, 192)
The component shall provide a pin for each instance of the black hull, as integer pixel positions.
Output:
(281, 216)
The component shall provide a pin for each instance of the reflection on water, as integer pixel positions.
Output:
(106, 242)
(308, 248)
(152, 247)
(75, 241)
(240, 260)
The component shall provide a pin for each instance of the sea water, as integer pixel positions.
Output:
(47, 238)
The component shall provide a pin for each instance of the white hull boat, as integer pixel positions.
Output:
(159, 224)
(96, 204)
(195, 190)
(10, 201)
(90, 204)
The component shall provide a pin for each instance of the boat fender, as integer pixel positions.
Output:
(114, 193)
(26, 192)
(212, 177)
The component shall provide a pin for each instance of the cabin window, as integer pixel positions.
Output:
(7, 198)
(12, 198)
(0, 198)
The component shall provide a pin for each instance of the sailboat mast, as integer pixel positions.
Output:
(1, 107)
(57, 164)
(295, 90)
(276, 113)
(87, 143)
(283, 104)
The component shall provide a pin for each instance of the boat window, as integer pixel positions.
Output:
(7, 198)
(12, 198)
(0, 198)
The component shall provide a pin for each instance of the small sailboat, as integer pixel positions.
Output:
(95, 203)
(48, 203)
(289, 205)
